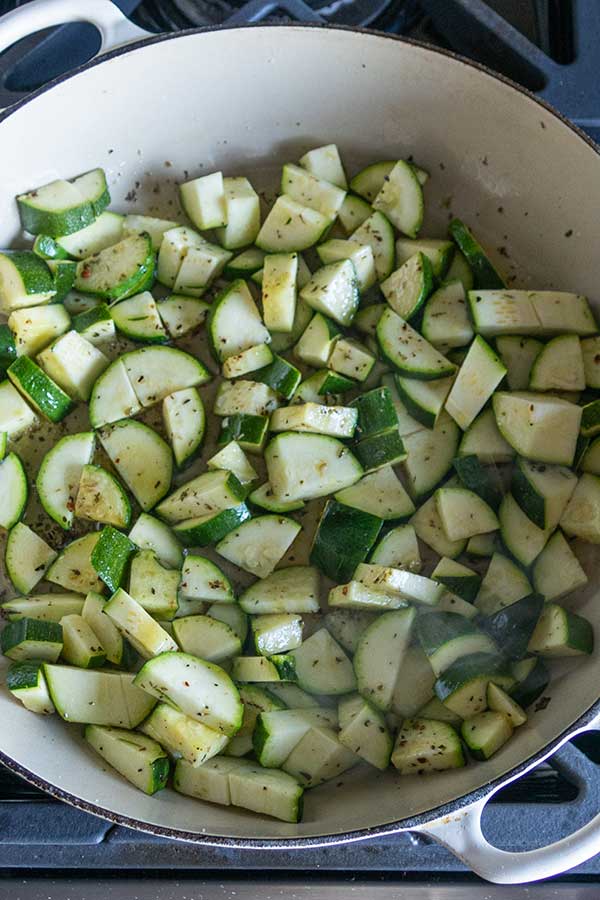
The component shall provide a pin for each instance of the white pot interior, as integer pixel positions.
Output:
(247, 101)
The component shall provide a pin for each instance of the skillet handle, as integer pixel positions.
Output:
(115, 28)
(461, 832)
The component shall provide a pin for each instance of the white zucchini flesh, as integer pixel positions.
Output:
(321, 666)
(149, 533)
(406, 585)
(205, 494)
(204, 201)
(360, 255)
(379, 656)
(279, 731)
(75, 364)
(234, 322)
(13, 490)
(73, 569)
(97, 698)
(259, 544)
(156, 372)
(174, 247)
(233, 459)
(503, 583)
(408, 351)
(141, 630)
(106, 230)
(16, 416)
(247, 361)
(518, 355)
(306, 466)
(557, 572)
(464, 514)
(333, 291)
(59, 475)
(206, 638)
(380, 493)
(138, 318)
(247, 397)
(27, 557)
(294, 589)
(524, 539)
(310, 191)
(414, 683)
(143, 460)
(104, 628)
(280, 274)
(559, 366)
(291, 227)
(483, 439)
(112, 396)
(430, 455)
(242, 213)
(34, 328)
(581, 518)
(364, 731)
(538, 427)
(153, 586)
(352, 359)
(398, 548)
(428, 527)
(478, 377)
(201, 265)
(133, 224)
(335, 421)
(202, 580)
(358, 596)
(185, 422)
(139, 759)
(401, 199)
(538, 313)
(325, 163)
(446, 318)
(183, 736)
(181, 315)
(319, 756)
(199, 689)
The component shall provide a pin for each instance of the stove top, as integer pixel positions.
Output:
(549, 46)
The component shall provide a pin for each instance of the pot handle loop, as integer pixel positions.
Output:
(115, 28)
(461, 833)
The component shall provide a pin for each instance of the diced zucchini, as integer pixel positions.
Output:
(483, 440)
(353, 212)
(478, 377)
(291, 226)
(408, 287)
(204, 201)
(325, 163)
(377, 233)
(249, 431)
(305, 466)
(539, 313)
(153, 586)
(74, 363)
(481, 545)
(398, 548)
(94, 697)
(244, 398)
(276, 633)
(352, 359)
(484, 272)
(429, 456)
(138, 319)
(149, 533)
(522, 538)
(504, 583)
(139, 759)
(106, 632)
(485, 733)
(539, 427)
(56, 208)
(360, 255)
(140, 629)
(14, 490)
(401, 199)
(234, 322)
(428, 527)
(363, 730)
(206, 637)
(242, 214)
(518, 355)
(134, 224)
(113, 397)
(39, 389)
(25, 680)
(560, 632)
(376, 412)
(34, 328)
(233, 459)
(28, 639)
(457, 578)
(559, 366)
(264, 497)
(499, 701)
(232, 615)
(397, 582)
(245, 264)
(512, 627)
(51, 607)
(333, 290)
(27, 557)
(118, 271)
(462, 687)
(247, 361)
(581, 518)
(380, 493)
(532, 677)
(316, 344)
(321, 666)
(482, 480)
(81, 646)
(157, 372)
(185, 423)
(202, 264)
(110, 556)
(181, 315)
(414, 683)
(253, 669)
(542, 491)
(408, 352)
(277, 732)
(25, 280)
(101, 498)
(446, 637)
(379, 450)
(379, 655)
(358, 596)
(425, 745)
(311, 191)
(259, 544)
(343, 539)
(348, 625)
(463, 513)
(557, 571)
(289, 590)
(335, 421)
(73, 569)
(204, 530)
(142, 459)
(280, 273)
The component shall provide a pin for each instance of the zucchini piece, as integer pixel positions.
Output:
(321, 666)
(324, 383)
(81, 646)
(317, 341)
(408, 287)
(590, 349)
(276, 633)
(3, 444)
(27, 557)
(233, 459)
(149, 533)
(559, 366)
(376, 412)
(249, 431)
(138, 319)
(379, 655)
(557, 572)
(247, 361)
(29, 639)
(278, 731)
(367, 317)
(25, 680)
(538, 427)
(463, 686)
(280, 274)
(153, 585)
(590, 419)
(446, 637)
(369, 181)
(234, 322)
(251, 669)
(360, 255)
(335, 421)
(139, 759)
(436, 710)
(352, 359)
(430, 454)
(157, 372)
(143, 633)
(560, 632)
(110, 556)
(47, 248)
(73, 570)
(134, 224)
(408, 352)
(457, 578)
(446, 319)
(424, 400)
(537, 313)
(377, 233)
(379, 450)
(358, 596)
(478, 377)
(50, 607)
(482, 480)
(429, 529)
(39, 389)
(523, 539)
(499, 701)
(414, 683)
(59, 207)
(504, 583)
(244, 397)
(231, 614)
(206, 638)
(347, 626)
(264, 497)
(333, 290)
(105, 231)
(512, 626)
(485, 733)
(406, 585)
(142, 459)
(256, 700)
(425, 745)
(463, 513)
(204, 494)
(108, 635)
(284, 340)
(182, 315)
(94, 697)
(101, 498)
(185, 423)
(532, 677)
(353, 212)
(60, 474)
(449, 602)
(483, 440)
(174, 268)
(518, 355)
(484, 273)
(380, 493)
(197, 688)
(315, 193)
(281, 376)
(542, 491)
(204, 530)
(36, 327)
(325, 163)
(305, 466)
(8, 350)
(203, 200)
(439, 253)
(25, 280)
(202, 581)
(113, 397)
(118, 271)
(74, 363)
(242, 214)
(364, 731)
(319, 756)
(399, 548)
(290, 227)
(259, 544)
(294, 589)
(401, 199)
(93, 188)
(182, 736)
(343, 539)
(14, 491)
(581, 518)
(245, 264)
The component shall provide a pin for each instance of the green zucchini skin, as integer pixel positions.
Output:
(344, 538)
(512, 627)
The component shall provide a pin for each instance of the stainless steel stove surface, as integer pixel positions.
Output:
(48, 849)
